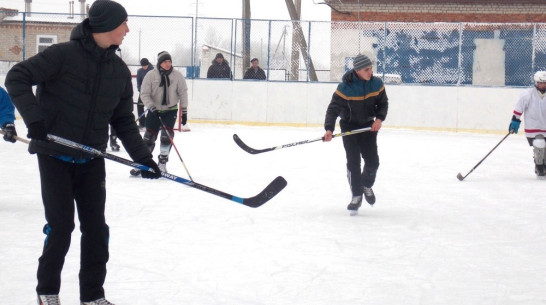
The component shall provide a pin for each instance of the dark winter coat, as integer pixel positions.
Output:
(140, 75)
(81, 89)
(357, 102)
(217, 70)
(251, 74)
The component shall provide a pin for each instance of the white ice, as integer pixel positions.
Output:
(430, 239)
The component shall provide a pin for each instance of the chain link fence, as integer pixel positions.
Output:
(492, 54)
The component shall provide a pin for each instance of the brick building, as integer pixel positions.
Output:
(23, 35)
(490, 11)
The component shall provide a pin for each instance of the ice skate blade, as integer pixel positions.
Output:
(353, 212)
(541, 177)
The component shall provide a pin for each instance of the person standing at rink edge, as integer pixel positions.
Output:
(82, 87)
(7, 117)
(163, 91)
(360, 101)
(146, 67)
(532, 104)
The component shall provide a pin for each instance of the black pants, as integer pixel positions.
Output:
(64, 183)
(153, 125)
(357, 146)
(140, 111)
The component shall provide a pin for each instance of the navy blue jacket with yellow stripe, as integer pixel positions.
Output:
(357, 102)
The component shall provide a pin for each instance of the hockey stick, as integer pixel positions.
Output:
(461, 177)
(17, 138)
(253, 151)
(172, 143)
(141, 115)
(269, 192)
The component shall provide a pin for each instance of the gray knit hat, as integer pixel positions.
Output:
(106, 15)
(361, 61)
(162, 56)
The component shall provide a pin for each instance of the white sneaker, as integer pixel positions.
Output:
(49, 300)
(186, 128)
(101, 301)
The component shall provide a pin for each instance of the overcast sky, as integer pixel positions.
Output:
(271, 9)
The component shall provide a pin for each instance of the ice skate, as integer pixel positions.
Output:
(186, 128)
(369, 195)
(101, 301)
(162, 164)
(355, 204)
(114, 143)
(49, 300)
(540, 171)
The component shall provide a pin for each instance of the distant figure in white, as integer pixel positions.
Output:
(532, 104)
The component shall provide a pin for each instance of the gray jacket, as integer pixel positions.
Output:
(152, 95)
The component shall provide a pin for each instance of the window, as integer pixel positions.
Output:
(44, 41)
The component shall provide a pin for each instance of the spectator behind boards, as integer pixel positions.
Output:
(254, 71)
(82, 87)
(219, 68)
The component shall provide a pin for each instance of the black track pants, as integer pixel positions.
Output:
(357, 146)
(64, 183)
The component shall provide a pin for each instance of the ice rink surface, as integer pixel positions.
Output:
(430, 239)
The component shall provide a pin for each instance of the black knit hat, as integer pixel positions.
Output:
(162, 56)
(219, 55)
(361, 61)
(106, 15)
(144, 61)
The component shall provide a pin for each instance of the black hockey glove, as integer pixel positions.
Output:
(151, 164)
(184, 116)
(9, 132)
(37, 131)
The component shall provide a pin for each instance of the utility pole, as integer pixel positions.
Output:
(299, 38)
(246, 34)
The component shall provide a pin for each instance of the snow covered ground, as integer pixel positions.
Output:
(429, 239)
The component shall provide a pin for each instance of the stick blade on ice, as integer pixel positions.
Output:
(460, 177)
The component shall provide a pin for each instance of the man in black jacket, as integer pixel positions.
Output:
(360, 101)
(82, 87)
(219, 68)
(254, 71)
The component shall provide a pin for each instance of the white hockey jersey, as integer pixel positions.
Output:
(532, 104)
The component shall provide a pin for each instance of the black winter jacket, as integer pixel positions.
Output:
(81, 89)
(357, 102)
(219, 70)
(251, 74)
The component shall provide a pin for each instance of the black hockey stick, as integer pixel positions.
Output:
(269, 192)
(253, 151)
(461, 177)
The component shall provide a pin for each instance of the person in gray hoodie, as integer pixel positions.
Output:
(163, 92)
